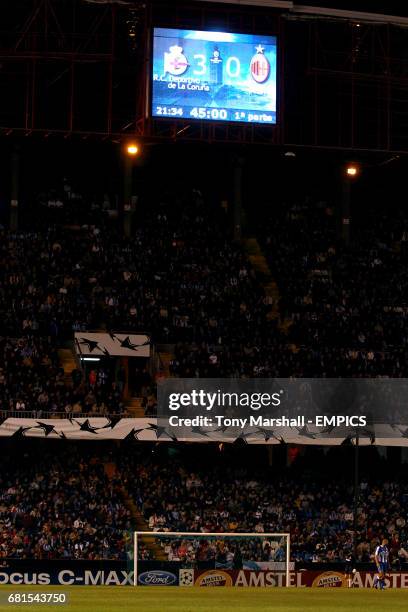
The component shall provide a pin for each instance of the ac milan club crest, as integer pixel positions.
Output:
(175, 62)
(260, 66)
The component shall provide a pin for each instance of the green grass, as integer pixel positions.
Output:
(215, 599)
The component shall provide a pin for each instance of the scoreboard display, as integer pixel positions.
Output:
(213, 76)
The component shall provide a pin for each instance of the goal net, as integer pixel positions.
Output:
(211, 559)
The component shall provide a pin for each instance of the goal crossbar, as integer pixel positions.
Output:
(163, 534)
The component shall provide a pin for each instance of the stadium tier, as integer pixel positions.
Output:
(71, 504)
(203, 305)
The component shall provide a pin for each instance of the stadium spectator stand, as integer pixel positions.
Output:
(182, 280)
(62, 506)
(347, 305)
(68, 504)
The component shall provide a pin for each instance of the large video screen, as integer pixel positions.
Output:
(214, 76)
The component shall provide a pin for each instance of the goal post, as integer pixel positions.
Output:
(184, 558)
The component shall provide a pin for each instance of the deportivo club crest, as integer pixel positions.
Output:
(260, 66)
(175, 62)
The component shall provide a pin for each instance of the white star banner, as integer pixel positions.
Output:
(95, 344)
(148, 430)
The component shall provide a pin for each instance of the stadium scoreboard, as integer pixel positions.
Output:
(213, 76)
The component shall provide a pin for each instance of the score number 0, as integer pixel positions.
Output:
(232, 65)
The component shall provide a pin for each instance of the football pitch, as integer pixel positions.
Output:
(196, 599)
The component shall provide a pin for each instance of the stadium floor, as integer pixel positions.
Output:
(173, 599)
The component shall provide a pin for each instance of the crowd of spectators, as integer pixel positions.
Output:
(230, 552)
(66, 504)
(182, 280)
(318, 514)
(63, 506)
(346, 302)
(32, 382)
(179, 277)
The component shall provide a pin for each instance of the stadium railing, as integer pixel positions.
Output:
(42, 414)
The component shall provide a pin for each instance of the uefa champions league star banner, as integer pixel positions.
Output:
(214, 76)
(319, 411)
(257, 411)
(92, 428)
(150, 430)
(93, 344)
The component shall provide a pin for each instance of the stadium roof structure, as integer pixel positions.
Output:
(78, 68)
(379, 12)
